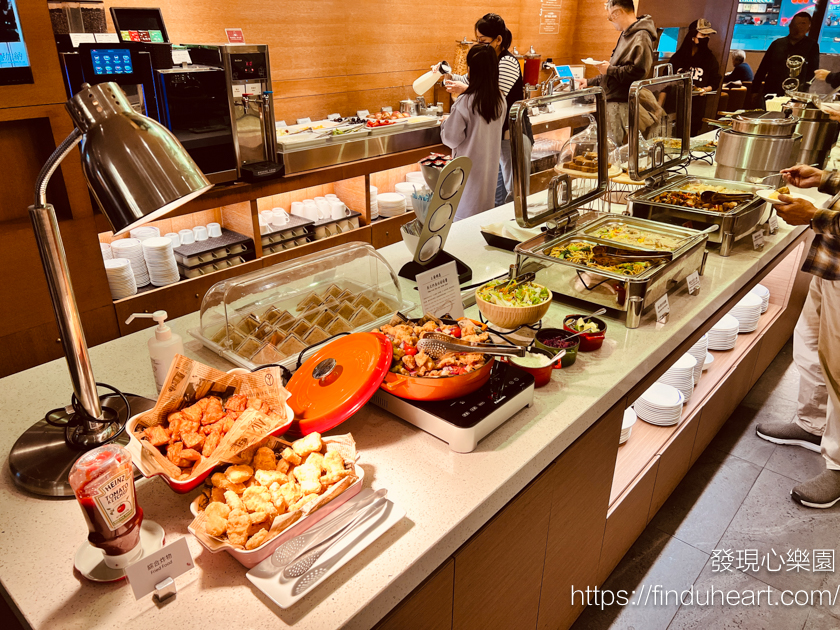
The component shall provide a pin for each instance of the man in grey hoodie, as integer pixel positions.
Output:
(631, 60)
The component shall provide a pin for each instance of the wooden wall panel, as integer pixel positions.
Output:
(429, 606)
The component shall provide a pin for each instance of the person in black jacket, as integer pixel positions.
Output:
(694, 56)
(773, 70)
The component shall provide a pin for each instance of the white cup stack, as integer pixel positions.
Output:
(724, 334)
(374, 204)
(132, 249)
(161, 263)
(627, 425)
(661, 405)
(681, 375)
(747, 312)
(214, 230)
(391, 204)
(699, 351)
(764, 293)
(120, 278)
(106, 251)
(144, 231)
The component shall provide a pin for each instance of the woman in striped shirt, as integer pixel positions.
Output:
(491, 30)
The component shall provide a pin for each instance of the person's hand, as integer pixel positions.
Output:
(455, 87)
(820, 75)
(603, 67)
(708, 88)
(582, 84)
(802, 176)
(832, 113)
(796, 211)
(436, 67)
(444, 117)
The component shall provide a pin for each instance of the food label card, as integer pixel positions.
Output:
(662, 307)
(758, 239)
(173, 560)
(235, 36)
(693, 282)
(773, 223)
(440, 292)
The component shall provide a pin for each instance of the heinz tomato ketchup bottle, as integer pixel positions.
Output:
(103, 481)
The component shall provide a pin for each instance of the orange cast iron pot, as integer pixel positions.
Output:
(442, 388)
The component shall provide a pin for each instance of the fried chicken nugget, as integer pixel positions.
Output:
(268, 477)
(237, 402)
(213, 411)
(302, 502)
(282, 466)
(239, 474)
(217, 494)
(277, 497)
(265, 459)
(333, 462)
(238, 523)
(255, 497)
(234, 501)
(257, 539)
(220, 481)
(308, 444)
(311, 486)
(290, 456)
(173, 453)
(193, 441)
(210, 444)
(174, 420)
(316, 459)
(156, 435)
(216, 514)
(307, 472)
(290, 492)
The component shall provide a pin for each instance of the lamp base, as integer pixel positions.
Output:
(40, 460)
(410, 270)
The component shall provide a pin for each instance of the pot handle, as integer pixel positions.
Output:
(398, 379)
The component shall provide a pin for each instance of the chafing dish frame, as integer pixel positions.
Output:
(634, 294)
(734, 225)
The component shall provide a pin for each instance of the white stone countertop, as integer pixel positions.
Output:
(447, 496)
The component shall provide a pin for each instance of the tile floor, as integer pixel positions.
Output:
(736, 497)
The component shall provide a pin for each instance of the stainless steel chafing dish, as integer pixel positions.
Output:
(631, 294)
(734, 224)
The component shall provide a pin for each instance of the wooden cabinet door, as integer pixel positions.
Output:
(428, 607)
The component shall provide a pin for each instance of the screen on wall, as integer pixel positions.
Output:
(14, 60)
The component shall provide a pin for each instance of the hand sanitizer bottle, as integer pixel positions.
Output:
(162, 347)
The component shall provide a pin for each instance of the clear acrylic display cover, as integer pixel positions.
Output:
(271, 315)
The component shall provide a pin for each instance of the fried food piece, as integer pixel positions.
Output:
(173, 453)
(277, 497)
(193, 441)
(308, 444)
(234, 501)
(238, 523)
(156, 435)
(311, 486)
(265, 459)
(191, 418)
(217, 494)
(290, 492)
(268, 477)
(290, 456)
(255, 497)
(298, 505)
(190, 455)
(257, 539)
(211, 443)
(333, 462)
(784, 190)
(307, 472)
(216, 518)
(247, 455)
(213, 411)
(316, 459)
(282, 466)
(174, 420)
(239, 474)
(237, 402)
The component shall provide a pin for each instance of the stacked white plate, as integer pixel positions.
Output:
(374, 203)
(406, 189)
(160, 261)
(627, 425)
(699, 351)
(724, 334)
(681, 375)
(391, 204)
(747, 312)
(120, 278)
(106, 251)
(415, 177)
(132, 249)
(764, 293)
(145, 231)
(661, 405)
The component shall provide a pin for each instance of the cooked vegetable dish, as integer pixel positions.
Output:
(581, 254)
(525, 294)
(623, 233)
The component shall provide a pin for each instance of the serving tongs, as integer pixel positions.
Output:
(436, 345)
(710, 196)
(609, 256)
(512, 284)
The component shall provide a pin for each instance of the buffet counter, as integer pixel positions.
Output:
(447, 497)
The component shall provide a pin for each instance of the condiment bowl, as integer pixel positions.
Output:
(588, 341)
(557, 333)
(542, 375)
(512, 316)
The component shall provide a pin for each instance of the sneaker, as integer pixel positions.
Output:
(822, 491)
(788, 433)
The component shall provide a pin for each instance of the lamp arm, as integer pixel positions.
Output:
(51, 164)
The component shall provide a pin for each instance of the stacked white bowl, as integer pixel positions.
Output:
(132, 249)
(724, 334)
(699, 351)
(661, 405)
(627, 425)
(747, 312)
(374, 205)
(106, 251)
(764, 293)
(391, 204)
(415, 177)
(406, 189)
(144, 231)
(160, 261)
(120, 278)
(681, 375)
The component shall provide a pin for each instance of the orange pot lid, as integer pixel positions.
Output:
(337, 380)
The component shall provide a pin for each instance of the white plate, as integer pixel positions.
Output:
(592, 62)
(710, 358)
(285, 593)
(765, 194)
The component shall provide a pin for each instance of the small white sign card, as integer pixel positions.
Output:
(171, 561)
(440, 291)
(773, 222)
(663, 307)
(693, 282)
(758, 239)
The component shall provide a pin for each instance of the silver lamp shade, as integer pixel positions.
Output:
(136, 169)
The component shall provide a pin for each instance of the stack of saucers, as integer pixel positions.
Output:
(699, 351)
(661, 404)
(724, 334)
(627, 425)
(106, 251)
(747, 312)
(681, 375)
(120, 278)
(764, 293)
(374, 203)
(160, 260)
(132, 249)
(145, 231)
(391, 204)
(406, 189)
(415, 177)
